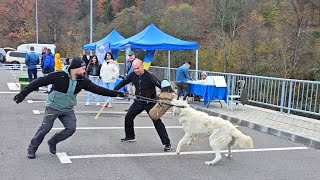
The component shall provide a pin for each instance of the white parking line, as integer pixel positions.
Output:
(13, 86)
(104, 112)
(36, 111)
(64, 158)
(9, 92)
(111, 128)
(83, 102)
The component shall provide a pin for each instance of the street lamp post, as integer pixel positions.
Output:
(37, 22)
(90, 24)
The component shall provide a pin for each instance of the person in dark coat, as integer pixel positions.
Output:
(86, 57)
(145, 83)
(93, 72)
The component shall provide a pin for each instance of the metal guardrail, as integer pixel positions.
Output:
(285, 94)
(20, 67)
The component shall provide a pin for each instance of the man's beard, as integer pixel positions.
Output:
(79, 76)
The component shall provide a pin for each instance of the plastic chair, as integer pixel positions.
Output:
(236, 99)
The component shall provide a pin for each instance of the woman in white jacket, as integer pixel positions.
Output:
(109, 73)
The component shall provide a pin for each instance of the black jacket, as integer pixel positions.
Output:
(145, 84)
(60, 82)
(86, 60)
(90, 67)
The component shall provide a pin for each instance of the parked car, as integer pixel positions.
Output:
(9, 49)
(15, 57)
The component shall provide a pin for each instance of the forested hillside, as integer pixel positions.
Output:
(279, 38)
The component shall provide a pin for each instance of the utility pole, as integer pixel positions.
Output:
(90, 24)
(37, 22)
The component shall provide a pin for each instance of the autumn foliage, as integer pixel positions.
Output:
(279, 38)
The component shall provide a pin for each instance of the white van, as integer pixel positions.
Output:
(37, 47)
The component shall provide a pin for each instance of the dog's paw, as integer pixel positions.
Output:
(209, 163)
(189, 143)
(228, 156)
(177, 152)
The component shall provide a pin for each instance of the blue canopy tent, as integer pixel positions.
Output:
(113, 36)
(151, 39)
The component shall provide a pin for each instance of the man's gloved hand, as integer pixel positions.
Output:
(120, 94)
(18, 98)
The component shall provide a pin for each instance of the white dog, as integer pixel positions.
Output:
(222, 133)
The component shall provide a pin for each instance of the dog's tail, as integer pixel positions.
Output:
(242, 140)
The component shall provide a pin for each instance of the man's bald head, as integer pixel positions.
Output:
(138, 67)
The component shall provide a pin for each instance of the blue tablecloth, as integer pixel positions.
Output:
(209, 92)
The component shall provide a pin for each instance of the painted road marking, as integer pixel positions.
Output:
(111, 128)
(9, 92)
(36, 111)
(13, 86)
(83, 102)
(104, 112)
(65, 159)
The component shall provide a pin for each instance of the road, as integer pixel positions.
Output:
(96, 152)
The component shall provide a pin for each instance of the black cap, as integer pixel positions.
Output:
(77, 63)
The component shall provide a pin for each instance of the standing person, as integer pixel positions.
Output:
(145, 83)
(132, 57)
(43, 57)
(57, 62)
(67, 62)
(48, 66)
(93, 71)
(31, 60)
(60, 102)
(86, 57)
(130, 87)
(109, 74)
(182, 76)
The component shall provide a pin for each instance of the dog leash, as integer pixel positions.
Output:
(145, 99)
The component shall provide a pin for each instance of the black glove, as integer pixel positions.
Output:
(120, 94)
(18, 98)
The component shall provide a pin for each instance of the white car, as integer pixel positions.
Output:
(9, 49)
(15, 57)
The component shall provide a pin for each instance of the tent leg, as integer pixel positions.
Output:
(169, 62)
(196, 74)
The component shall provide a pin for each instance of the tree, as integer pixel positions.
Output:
(227, 17)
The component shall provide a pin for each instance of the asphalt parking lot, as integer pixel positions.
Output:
(96, 152)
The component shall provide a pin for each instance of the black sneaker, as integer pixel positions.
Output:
(52, 147)
(31, 154)
(167, 147)
(128, 139)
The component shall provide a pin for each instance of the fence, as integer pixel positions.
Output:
(285, 94)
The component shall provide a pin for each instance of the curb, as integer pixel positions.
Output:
(282, 134)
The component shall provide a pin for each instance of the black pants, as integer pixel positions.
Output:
(136, 108)
(32, 72)
(68, 120)
(185, 87)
